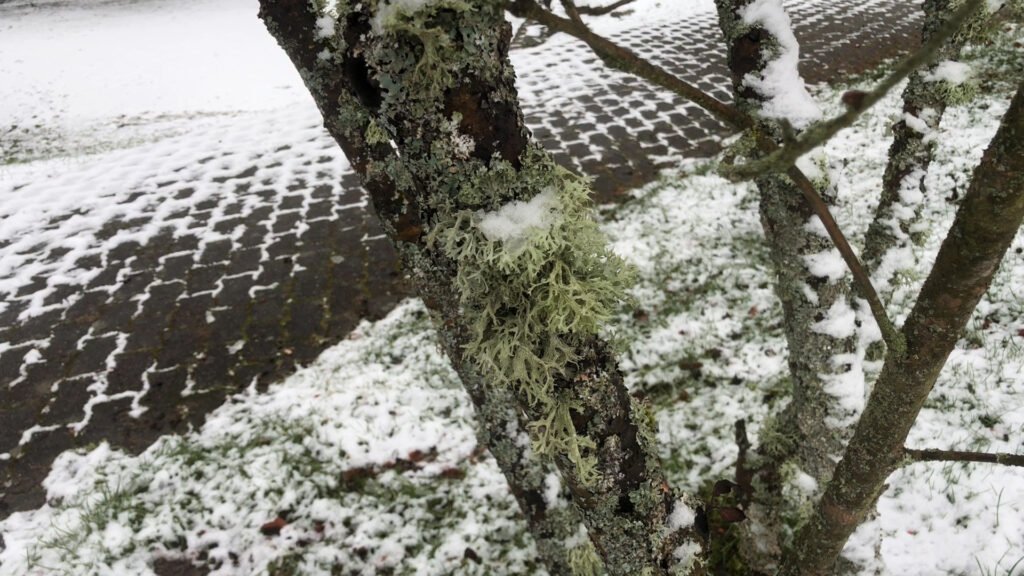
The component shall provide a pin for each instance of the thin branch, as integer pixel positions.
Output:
(783, 158)
(892, 337)
(961, 456)
(573, 12)
(629, 62)
(602, 10)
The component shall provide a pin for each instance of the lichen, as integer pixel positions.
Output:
(375, 134)
(530, 306)
(584, 561)
(393, 14)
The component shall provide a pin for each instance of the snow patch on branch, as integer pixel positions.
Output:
(686, 555)
(828, 264)
(553, 491)
(682, 516)
(900, 257)
(780, 84)
(840, 321)
(515, 222)
(816, 226)
(325, 26)
(848, 387)
(956, 73)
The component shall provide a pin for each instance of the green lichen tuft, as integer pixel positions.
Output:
(532, 303)
(375, 134)
(584, 561)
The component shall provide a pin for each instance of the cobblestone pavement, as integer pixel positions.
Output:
(225, 270)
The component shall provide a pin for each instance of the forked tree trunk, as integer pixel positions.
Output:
(517, 306)
(985, 225)
(810, 433)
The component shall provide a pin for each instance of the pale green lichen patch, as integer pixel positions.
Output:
(583, 558)
(533, 294)
(395, 13)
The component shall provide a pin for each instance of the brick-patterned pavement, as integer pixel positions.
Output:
(250, 266)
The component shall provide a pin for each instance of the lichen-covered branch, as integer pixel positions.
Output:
(888, 246)
(501, 244)
(799, 446)
(783, 158)
(932, 455)
(985, 225)
(393, 195)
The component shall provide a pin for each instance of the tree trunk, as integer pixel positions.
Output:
(552, 524)
(501, 245)
(890, 240)
(985, 225)
(810, 433)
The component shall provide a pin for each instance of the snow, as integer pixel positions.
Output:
(840, 321)
(916, 124)
(553, 491)
(780, 84)
(682, 516)
(828, 264)
(805, 482)
(687, 553)
(384, 410)
(640, 13)
(515, 222)
(955, 73)
(123, 70)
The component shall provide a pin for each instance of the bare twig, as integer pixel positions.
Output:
(892, 337)
(573, 12)
(783, 158)
(623, 59)
(628, 61)
(602, 10)
(961, 456)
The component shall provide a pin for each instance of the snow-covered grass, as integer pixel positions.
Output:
(90, 76)
(366, 459)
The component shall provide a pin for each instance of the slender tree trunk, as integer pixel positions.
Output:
(985, 225)
(499, 421)
(809, 434)
(518, 306)
(892, 235)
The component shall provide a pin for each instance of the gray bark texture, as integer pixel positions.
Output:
(804, 436)
(423, 103)
(985, 225)
(911, 153)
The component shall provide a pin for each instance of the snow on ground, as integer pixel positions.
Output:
(93, 75)
(56, 212)
(640, 13)
(369, 459)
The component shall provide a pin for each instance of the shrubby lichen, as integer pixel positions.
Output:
(531, 304)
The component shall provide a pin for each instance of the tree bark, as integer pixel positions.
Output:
(519, 317)
(984, 227)
(892, 234)
(811, 431)
(392, 194)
